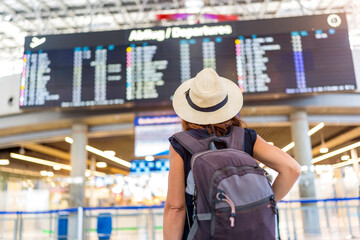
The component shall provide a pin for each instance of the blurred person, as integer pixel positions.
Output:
(208, 105)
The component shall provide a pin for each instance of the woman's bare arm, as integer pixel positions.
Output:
(283, 163)
(174, 210)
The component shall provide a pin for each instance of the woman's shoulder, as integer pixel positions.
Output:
(197, 133)
(250, 135)
(249, 131)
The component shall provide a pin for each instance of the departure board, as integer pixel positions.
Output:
(299, 55)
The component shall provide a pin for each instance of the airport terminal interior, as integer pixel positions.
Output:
(85, 108)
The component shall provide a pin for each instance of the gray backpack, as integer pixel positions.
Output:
(233, 198)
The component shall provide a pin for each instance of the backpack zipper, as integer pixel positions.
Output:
(252, 205)
(221, 196)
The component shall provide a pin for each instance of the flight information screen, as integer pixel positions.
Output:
(144, 66)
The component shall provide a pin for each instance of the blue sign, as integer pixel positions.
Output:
(143, 166)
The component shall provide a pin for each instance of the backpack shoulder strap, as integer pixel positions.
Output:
(192, 144)
(236, 138)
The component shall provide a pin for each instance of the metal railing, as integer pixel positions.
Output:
(33, 224)
(337, 219)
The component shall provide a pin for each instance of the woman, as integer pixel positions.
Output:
(209, 104)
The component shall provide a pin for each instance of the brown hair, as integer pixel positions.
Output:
(220, 129)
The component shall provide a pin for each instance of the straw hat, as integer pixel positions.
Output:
(207, 99)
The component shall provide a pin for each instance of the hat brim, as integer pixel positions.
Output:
(228, 111)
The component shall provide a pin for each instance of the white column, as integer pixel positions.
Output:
(77, 175)
(303, 154)
(92, 200)
(355, 159)
(3, 181)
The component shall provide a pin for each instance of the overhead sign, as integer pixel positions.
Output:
(152, 134)
(309, 54)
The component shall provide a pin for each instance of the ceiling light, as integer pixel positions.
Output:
(149, 158)
(316, 128)
(49, 163)
(336, 152)
(69, 140)
(50, 174)
(110, 153)
(288, 147)
(310, 132)
(43, 173)
(102, 154)
(101, 164)
(8, 18)
(324, 149)
(4, 162)
(96, 173)
(39, 161)
(57, 167)
(194, 5)
(345, 157)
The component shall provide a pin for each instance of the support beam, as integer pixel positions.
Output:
(41, 121)
(47, 8)
(92, 200)
(13, 13)
(68, 12)
(106, 10)
(123, 10)
(78, 165)
(354, 157)
(302, 150)
(66, 156)
(263, 9)
(58, 135)
(267, 121)
(343, 138)
(94, 10)
(17, 140)
(3, 181)
(36, 11)
(20, 173)
(336, 119)
(77, 176)
(48, 151)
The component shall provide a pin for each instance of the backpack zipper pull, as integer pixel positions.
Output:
(221, 196)
(273, 204)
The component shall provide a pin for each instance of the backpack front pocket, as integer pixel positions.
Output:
(243, 204)
(253, 221)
